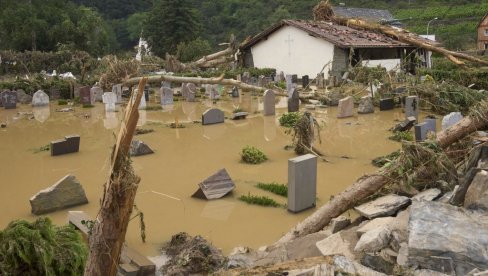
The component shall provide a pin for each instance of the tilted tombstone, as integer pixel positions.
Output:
(40, 99)
(109, 99)
(294, 101)
(305, 81)
(167, 96)
(192, 92)
(212, 116)
(69, 144)
(412, 107)
(9, 99)
(302, 182)
(235, 92)
(117, 89)
(345, 108)
(269, 103)
(85, 95)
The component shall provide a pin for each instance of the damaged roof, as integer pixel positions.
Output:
(373, 15)
(341, 36)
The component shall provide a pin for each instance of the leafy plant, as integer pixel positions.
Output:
(62, 102)
(402, 136)
(290, 119)
(252, 155)
(41, 248)
(259, 200)
(275, 188)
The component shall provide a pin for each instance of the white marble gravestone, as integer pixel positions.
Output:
(269, 103)
(109, 99)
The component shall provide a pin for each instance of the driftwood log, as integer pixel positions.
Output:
(110, 226)
(369, 184)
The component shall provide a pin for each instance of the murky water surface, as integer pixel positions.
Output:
(182, 159)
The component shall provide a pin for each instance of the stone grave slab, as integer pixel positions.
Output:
(212, 116)
(269, 103)
(366, 105)
(431, 125)
(412, 107)
(302, 182)
(54, 93)
(387, 104)
(138, 148)
(346, 107)
(117, 89)
(9, 99)
(383, 206)
(66, 193)
(216, 186)
(239, 115)
(406, 125)
(294, 101)
(167, 96)
(305, 81)
(420, 132)
(40, 99)
(85, 95)
(96, 94)
(184, 90)
(69, 144)
(109, 99)
(192, 92)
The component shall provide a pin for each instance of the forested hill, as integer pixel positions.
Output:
(108, 26)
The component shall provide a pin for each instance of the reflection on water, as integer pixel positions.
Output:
(183, 158)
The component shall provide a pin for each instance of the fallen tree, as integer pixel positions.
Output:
(369, 184)
(110, 226)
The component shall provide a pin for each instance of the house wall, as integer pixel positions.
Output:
(340, 63)
(483, 34)
(304, 55)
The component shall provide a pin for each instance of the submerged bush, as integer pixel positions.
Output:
(290, 119)
(252, 155)
(259, 200)
(41, 248)
(275, 188)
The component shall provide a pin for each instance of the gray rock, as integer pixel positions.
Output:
(374, 240)
(445, 238)
(346, 107)
(338, 223)
(374, 224)
(451, 119)
(138, 148)
(378, 263)
(383, 206)
(304, 247)
(339, 243)
(477, 194)
(402, 258)
(427, 195)
(23, 98)
(366, 105)
(343, 265)
(447, 196)
(67, 192)
(428, 272)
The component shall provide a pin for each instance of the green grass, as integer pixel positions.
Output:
(402, 136)
(252, 155)
(88, 106)
(62, 102)
(275, 188)
(259, 200)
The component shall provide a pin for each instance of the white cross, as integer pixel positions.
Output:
(289, 41)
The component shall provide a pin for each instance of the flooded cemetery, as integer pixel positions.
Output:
(342, 145)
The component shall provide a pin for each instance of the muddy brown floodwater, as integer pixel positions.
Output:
(182, 159)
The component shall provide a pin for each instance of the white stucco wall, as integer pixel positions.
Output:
(389, 64)
(304, 55)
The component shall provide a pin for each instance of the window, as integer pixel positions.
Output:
(486, 32)
(486, 46)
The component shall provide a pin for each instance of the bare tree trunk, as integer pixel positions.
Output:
(108, 232)
(368, 185)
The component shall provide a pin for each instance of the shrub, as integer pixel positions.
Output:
(275, 188)
(402, 136)
(290, 119)
(259, 200)
(252, 155)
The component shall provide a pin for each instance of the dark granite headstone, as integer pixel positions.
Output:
(387, 104)
(305, 81)
(406, 125)
(294, 101)
(9, 99)
(85, 95)
(235, 92)
(69, 144)
(420, 132)
(54, 93)
(294, 79)
(146, 92)
(212, 116)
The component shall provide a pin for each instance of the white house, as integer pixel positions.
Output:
(303, 47)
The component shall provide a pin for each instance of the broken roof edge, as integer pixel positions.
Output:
(482, 19)
(296, 23)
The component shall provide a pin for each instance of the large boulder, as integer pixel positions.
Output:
(446, 238)
(374, 240)
(477, 194)
(67, 192)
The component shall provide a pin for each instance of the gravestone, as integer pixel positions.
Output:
(246, 77)
(366, 105)
(109, 99)
(96, 94)
(69, 144)
(269, 103)
(320, 81)
(345, 108)
(167, 96)
(261, 81)
(451, 119)
(142, 104)
(66, 193)
(387, 104)
(235, 92)
(214, 92)
(212, 116)
(184, 90)
(289, 84)
(412, 107)
(9, 99)
(420, 132)
(54, 93)
(22, 97)
(294, 78)
(406, 125)
(117, 89)
(294, 101)
(192, 91)
(146, 92)
(215, 186)
(40, 99)
(254, 81)
(431, 125)
(302, 182)
(166, 84)
(305, 81)
(85, 95)
(138, 148)
(125, 92)
(281, 76)
(208, 90)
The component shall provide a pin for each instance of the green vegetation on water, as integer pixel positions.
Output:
(290, 119)
(259, 200)
(252, 155)
(401, 136)
(275, 188)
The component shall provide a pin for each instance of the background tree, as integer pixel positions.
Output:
(169, 23)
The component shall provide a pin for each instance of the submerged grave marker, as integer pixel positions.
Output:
(167, 96)
(192, 92)
(9, 99)
(69, 144)
(387, 104)
(294, 101)
(85, 95)
(212, 116)
(269, 103)
(117, 89)
(40, 99)
(366, 105)
(216, 186)
(302, 182)
(412, 107)
(109, 99)
(421, 132)
(346, 107)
